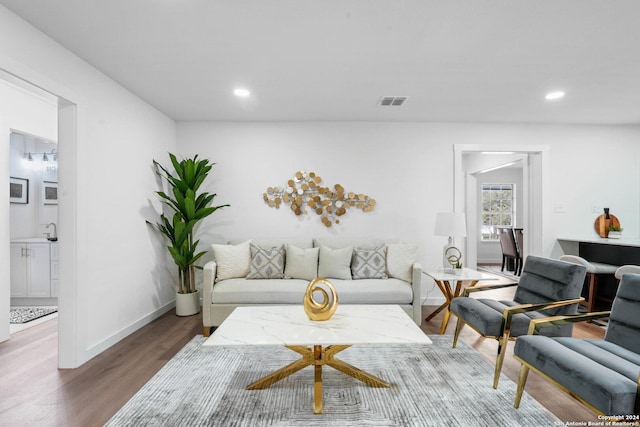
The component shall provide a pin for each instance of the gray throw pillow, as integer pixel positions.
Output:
(266, 263)
(369, 264)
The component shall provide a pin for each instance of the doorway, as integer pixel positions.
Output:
(533, 161)
(66, 227)
(33, 215)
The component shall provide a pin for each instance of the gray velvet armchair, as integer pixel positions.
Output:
(602, 374)
(547, 287)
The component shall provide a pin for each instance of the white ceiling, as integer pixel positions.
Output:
(457, 61)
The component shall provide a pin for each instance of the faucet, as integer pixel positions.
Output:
(55, 232)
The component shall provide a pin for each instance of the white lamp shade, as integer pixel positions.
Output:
(451, 224)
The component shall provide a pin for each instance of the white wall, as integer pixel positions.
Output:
(408, 169)
(19, 109)
(110, 261)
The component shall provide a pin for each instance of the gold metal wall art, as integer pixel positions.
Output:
(304, 191)
(320, 310)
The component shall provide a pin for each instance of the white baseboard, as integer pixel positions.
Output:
(434, 301)
(96, 349)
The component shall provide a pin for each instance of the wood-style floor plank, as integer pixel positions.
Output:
(35, 392)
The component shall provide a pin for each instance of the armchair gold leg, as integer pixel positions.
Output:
(502, 349)
(522, 379)
(459, 325)
(206, 331)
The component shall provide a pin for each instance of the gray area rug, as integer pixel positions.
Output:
(19, 315)
(431, 386)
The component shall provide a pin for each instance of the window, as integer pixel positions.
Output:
(497, 209)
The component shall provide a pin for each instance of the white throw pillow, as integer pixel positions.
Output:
(232, 260)
(400, 260)
(335, 263)
(301, 263)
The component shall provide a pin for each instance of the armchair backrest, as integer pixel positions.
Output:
(624, 322)
(545, 279)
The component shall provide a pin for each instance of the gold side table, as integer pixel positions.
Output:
(451, 286)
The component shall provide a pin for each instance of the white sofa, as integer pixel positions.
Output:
(278, 271)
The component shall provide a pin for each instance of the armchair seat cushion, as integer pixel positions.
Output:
(485, 315)
(602, 373)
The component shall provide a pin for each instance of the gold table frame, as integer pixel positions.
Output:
(318, 356)
(468, 278)
(449, 294)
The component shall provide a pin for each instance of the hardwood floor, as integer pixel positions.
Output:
(35, 392)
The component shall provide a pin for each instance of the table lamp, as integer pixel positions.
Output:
(450, 224)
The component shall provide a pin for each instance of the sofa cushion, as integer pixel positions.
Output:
(373, 291)
(232, 260)
(335, 263)
(266, 263)
(400, 260)
(301, 263)
(272, 291)
(369, 264)
(291, 291)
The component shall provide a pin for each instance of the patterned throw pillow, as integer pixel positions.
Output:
(266, 263)
(369, 264)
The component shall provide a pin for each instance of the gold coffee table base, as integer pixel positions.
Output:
(318, 356)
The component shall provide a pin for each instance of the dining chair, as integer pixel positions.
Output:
(509, 249)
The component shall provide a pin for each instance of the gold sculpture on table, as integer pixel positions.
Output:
(320, 310)
(304, 190)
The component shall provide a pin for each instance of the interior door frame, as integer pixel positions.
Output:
(535, 177)
(69, 102)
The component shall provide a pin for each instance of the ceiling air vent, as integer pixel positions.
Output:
(386, 101)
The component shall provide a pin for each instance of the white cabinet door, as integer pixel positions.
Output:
(54, 270)
(19, 267)
(39, 270)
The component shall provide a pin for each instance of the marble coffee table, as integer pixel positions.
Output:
(317, 341)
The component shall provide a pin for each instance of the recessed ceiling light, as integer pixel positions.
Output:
(552, 96)
(241, 92)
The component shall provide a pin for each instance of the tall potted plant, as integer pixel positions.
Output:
(189, 207)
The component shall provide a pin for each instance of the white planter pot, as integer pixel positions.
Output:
(614, 234)
(188, 304)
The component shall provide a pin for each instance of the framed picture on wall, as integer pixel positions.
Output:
(49, 192)
(19, 190)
